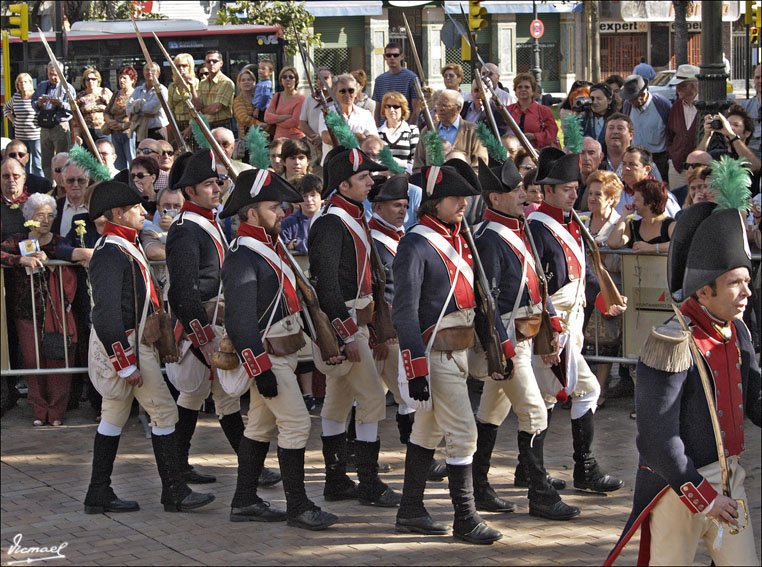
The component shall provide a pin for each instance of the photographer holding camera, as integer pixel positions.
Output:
(596, 110)
(728, 136)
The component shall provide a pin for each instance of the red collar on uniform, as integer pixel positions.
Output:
(511, 222)
(129, 234)
(441, 227)
(706, 322)
(380, 225)
(255, 232)
(553, 212)
(208, 214)
(353, 208)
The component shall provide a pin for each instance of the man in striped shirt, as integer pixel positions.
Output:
(397, 78)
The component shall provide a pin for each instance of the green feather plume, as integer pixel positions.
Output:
(256, 143)
(343, 134)
(387, 160)
(731, 183)
(198, 134)
(434, 151)
(573, 137)
(87, 162)
(495, 148)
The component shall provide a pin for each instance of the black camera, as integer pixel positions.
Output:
(716, 124)
(582, 104)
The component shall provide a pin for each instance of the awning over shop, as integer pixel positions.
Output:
(523, 7)
(321, 9)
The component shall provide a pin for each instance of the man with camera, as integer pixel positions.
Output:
(728, 136)
(53, 107)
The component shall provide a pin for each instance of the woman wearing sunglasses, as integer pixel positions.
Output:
(143, 174)
(396, 132)
(286, 106)
(93, 100)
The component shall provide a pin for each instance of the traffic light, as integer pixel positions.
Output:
(476, 16)
(21, 22)
(754, 35)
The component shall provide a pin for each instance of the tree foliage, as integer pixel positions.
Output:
(106, 10)
(285, 14)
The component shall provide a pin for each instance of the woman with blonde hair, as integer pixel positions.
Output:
(93, 100)
(178, 95)
(698, 186)
(20, 112)
(243, 109)
(453, 76)
(286, 106)
(396, 132)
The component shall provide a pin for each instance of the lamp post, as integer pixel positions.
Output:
(713, 96)
(536, 70)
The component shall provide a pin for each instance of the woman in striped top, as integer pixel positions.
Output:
(396, 132)
(20, 112)
(243, 109)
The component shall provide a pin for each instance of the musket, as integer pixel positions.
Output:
(382, 324)
(304, 59)
(421, 77)
(319, 326)
(218, 151)
(496, 361)
(543, 341)
(611, 295)
(716, 429)
(74, 106)
(157, 88)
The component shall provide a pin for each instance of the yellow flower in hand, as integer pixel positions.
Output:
(80, 227)
(33, 224)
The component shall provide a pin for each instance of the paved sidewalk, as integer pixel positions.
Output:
(45, 472)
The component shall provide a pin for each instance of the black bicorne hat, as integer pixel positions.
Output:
(257, 185)
(502, 178)
(200, 166)
(178, 168)
(392, 189)
(341, 164)
(556, 167)
(446, 181)
(110, 194)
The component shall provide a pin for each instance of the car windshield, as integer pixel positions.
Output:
(662, 78)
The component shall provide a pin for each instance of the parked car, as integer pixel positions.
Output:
(660, 85)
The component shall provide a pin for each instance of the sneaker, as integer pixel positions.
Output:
(309, 401)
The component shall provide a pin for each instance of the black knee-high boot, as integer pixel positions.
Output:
(100, 496)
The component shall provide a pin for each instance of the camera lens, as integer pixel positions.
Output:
(716, 124)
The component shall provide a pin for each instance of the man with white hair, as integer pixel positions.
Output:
(34, 183)
(590, 159)
(460, 133)
(225, 139)
(492, 71)
(75, 180)
(56, 167)
(107, 151)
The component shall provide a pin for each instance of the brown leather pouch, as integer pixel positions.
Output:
(528, 327)
(151, 330)
(365, 315)
(158, 332)
(454, 338)
(281, 346)
(209, 306)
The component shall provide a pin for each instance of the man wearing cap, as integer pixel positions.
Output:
(195, 251)
(339, 252)
(680, 495)
(266, 336)
(507, 258)
(682, 123)
(121, 365)
(560, 249)
(435, 326)
(649, 113)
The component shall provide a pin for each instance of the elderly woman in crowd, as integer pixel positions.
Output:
(243, 109)
(452, 75)
(49, 394)
(93, 100)
(177, 94)
(146, 114)
(363, 100)
(653, 231)
(535, 120)
(118, 119)
(396, 132)
(286, 106)
(20, 112)
(144, 172)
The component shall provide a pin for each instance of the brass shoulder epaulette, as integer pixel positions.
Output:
(667, 348)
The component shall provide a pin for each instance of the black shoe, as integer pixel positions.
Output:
(192, 476)
(482, 534)
(257, 512)
(385, 497)
(384, 468)
(489, 501)
(557, 511)
(523, 482)
(314, 519)
(193, 501)
(437, 471)
(269, 477)
(344, 492)
(605, 483)
(423, 525)
(116, 506)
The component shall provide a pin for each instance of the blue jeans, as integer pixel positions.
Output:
(125, 149)
(34, 165)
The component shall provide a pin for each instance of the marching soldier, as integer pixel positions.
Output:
(122, 366)
(390, 203)
(340, 263)
(507, 258)
(435, 326)
(689, 483)
(562, 253)
(265, 328)
(196, 249)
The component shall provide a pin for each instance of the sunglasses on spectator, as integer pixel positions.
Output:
(449, 75)
(92, 79)
(690, 165)
(394, 106)
(77, 180)
(169, 153)
(147, 151)
(212, 61)
(139, 175)
(289, 77)
(345, 91)
(527, 166)
(58, 169)
(18, 155)
(202, 75)
(392, 54)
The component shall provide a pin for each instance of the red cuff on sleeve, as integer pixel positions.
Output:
(600, 304)
(697, 498)
(345, 328)
(122, 358)
(255, 365)
(201, 334)
(414, 367)
(555, 324)
(508, 350)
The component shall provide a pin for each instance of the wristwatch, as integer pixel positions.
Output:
(734, 139)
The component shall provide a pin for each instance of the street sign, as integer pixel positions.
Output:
(536, 29)
(449, 35)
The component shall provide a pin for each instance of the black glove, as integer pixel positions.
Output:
(419, 388)
(267, 384)
(508, 369)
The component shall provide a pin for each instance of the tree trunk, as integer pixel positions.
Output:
(681, 32)
(595, 57)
